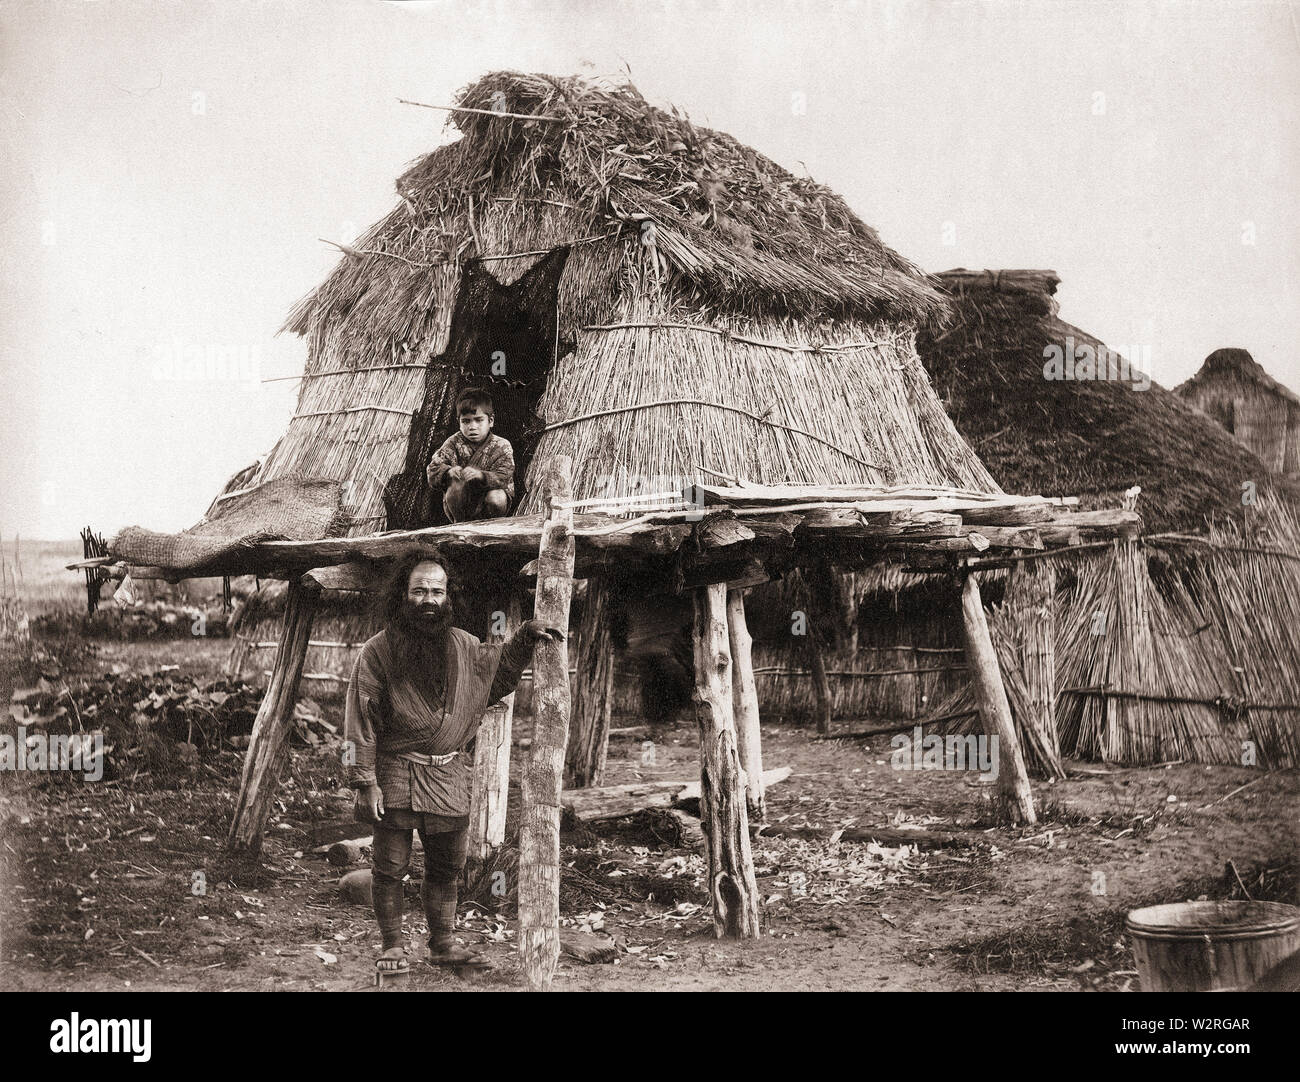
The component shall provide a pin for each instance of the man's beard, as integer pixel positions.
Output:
(422, 631)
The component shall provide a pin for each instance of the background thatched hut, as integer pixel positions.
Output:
(1262, 415)
(1092, 438)
(1219, 626)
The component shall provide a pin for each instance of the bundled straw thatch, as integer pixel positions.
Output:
(783, 327)
(1208, 657)
(670, 306)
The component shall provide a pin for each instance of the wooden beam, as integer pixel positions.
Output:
(851, 522)
(744, 696)
(891, 836)
(487, 807)
(521, 534)
(1107, 522)
(267, 745)
(986, 680)
(539, 832)
(1027, 514)
(1007, 537)
(359, 575)
(593, 692)
(722, 529)
(617, 801)
(732, 886)
(751, 494)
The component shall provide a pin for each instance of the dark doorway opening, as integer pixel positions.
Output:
(503, 338)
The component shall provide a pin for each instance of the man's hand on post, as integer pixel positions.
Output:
(536, 631)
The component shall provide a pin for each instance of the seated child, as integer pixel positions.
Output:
(477, 468)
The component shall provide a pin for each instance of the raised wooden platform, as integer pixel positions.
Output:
(713, 533)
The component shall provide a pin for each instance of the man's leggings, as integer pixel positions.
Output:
(445, 840)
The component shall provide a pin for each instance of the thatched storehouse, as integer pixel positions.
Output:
(650, 297)
(1262, 414)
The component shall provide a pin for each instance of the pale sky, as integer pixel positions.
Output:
(170, 166)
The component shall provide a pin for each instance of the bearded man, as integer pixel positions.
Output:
(416, 698)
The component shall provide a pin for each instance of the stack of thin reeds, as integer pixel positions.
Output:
(1246, 589)
(1184, 672)
(1023, 631)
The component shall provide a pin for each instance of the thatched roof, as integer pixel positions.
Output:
(1093, 439)
(750, 236)
(1238, 363)
(679, 304)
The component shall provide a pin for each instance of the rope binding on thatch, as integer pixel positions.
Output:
(713, 405)
(447, 257)
(350, 409)
(731, 335)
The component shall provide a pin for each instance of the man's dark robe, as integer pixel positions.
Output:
(391, 710)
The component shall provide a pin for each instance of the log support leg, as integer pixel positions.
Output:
(267, 745)
(732, 886)
(821, 683)
(487, 808)
(828, 633)
(744, 694)
(593, 692)
(539, 831)
(991, 695)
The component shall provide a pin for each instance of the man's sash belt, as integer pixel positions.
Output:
(426, 760)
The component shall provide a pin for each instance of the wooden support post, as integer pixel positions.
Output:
(821, 685)
(825, 631)
(593, 692)
(986, 680)
(487, 807)
(270, 734)
(539, 832)
(744, 695)
(722, 795)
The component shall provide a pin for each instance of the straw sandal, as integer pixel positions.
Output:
(392, 963)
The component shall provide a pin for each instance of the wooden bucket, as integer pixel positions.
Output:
(1211, 946)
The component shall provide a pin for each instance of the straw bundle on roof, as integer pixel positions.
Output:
(1221, 660)
(739, 409)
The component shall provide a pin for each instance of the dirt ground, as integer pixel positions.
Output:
(124, 883)
(99, 883)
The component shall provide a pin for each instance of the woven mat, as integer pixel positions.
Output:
(286, 509)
